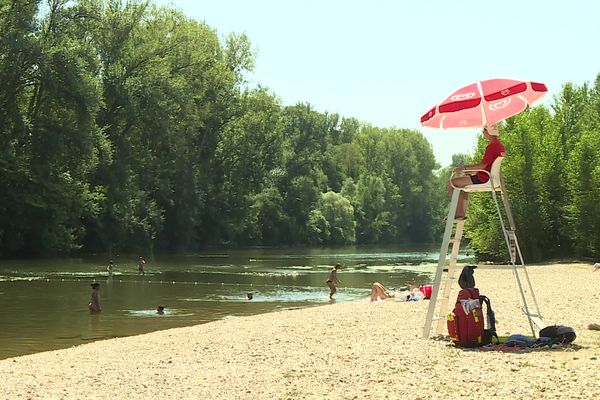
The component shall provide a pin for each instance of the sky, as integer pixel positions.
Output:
(389, 61)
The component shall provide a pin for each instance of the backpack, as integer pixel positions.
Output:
(558, 334)
(489, 333)
(466, 325)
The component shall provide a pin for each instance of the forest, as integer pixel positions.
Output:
(126, 127)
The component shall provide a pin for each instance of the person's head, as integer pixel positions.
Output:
(160, 310)
(490, 131)
(250, 296)
(95, 286)
(338, 266)
(110, 262)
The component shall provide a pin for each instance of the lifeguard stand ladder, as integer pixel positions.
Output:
(438, 303)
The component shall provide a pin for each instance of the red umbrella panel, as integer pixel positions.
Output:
(483, 102)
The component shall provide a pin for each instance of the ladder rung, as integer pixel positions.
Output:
(538, 322)
(531, 314)
(535, 318)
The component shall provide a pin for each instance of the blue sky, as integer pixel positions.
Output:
(388, 62)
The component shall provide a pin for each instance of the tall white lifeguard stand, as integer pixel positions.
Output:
(438, 303)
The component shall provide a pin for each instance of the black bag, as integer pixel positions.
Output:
(490, 333)
(466, 280)
(559, 334)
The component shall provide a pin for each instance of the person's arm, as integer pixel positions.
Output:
(469, 167)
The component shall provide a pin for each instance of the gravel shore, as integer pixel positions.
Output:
(357, 350)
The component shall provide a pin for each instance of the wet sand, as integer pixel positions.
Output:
(357, 350)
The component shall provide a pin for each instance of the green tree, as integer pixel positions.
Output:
(332, 221)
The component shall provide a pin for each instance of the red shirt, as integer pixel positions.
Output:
(493, 150)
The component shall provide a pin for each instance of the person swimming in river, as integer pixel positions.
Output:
(94, 305)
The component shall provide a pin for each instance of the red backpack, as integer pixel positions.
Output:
(466, 322)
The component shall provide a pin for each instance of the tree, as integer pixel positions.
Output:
(332, 221)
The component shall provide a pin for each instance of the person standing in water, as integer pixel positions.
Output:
(333, 279)
(94, 304)
(110, 268)
(141, 265)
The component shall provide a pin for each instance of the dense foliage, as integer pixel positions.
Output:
(552, 172)
(127, 127)
(124, 126)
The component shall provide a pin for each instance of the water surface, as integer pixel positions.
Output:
(43, 303)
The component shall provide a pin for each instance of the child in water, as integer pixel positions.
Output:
(141, 265)
(94, 304)
(333, 279)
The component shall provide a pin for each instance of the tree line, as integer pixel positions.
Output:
(125, 126)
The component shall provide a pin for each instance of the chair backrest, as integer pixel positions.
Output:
(495, 172)
(495, 178)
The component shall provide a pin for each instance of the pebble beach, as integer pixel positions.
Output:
(346, 350)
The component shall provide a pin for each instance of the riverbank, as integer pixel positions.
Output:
(355, 350)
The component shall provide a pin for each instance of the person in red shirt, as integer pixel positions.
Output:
(493, 150)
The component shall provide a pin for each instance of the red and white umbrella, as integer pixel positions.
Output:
(483, 102)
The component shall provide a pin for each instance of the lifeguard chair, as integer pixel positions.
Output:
(438, 304)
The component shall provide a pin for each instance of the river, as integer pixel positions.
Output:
(43, 302)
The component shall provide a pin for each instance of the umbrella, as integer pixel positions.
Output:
(483, 102)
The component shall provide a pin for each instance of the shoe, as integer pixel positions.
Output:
(460, 218)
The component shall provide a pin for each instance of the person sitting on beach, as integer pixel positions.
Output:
(378, 291)
(94, 304)
(409, 294)
(249, 296)
(160, 310)
(333, 279)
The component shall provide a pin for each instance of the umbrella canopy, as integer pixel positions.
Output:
(483, 102)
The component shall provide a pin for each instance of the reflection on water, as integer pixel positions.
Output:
(44, 302)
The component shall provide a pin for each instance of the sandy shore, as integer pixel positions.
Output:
(354, 350)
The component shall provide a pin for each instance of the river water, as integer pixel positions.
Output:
(43, 303)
